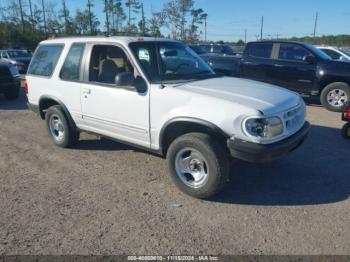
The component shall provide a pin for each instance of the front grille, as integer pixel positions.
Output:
(294, 118)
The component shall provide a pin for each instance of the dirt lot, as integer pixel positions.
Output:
(106, 198)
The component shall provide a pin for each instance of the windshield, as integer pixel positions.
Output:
(199, 49)
(344, 51)
(318, 52)
(18, 53)
(177, 62)
(228, 49)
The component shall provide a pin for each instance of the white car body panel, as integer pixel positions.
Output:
(345, 56)
(139, 118)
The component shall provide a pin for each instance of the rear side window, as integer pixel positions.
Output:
(71, 67)
(261, 50)
(45, 59)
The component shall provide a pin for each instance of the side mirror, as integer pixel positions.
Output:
(125, 79)
(129, 82)
(310, 59)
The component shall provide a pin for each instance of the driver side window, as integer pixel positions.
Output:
(292, 52)
(107, 62)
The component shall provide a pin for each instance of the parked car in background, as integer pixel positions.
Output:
(9, 80)
(336, 53)
(127, 88)
(346, 117)
(21, 47)
(19, 58)
(224, 49)
(222, 64)
(300, 67)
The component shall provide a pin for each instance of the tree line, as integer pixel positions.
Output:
(28, 21)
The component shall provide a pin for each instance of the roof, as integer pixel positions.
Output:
(4, 63)
(326, 47)
(280, 41)
(118, 39)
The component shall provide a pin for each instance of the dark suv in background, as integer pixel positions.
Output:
(222, 64)
(300, 67)
(17, 57)
(224, 49)
(9, 80)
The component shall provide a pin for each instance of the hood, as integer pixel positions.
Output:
(24, 60)
(215, 55)
(337, 63)
(335, 68)
(266, 98)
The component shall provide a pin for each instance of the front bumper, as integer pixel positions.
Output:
(258, 153)
(33, 108)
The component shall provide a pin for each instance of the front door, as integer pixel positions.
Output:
(119, 112)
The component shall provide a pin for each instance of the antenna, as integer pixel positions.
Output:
(262, 28)
(315, 27)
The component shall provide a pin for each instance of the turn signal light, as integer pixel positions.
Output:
(25, 87)
(346, 114)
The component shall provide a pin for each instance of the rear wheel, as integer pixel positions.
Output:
(61, 132)
(198, 165)
(346, 131)
(12, 93)
(335, 96)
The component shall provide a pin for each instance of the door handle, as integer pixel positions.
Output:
(278, 65)
(86, 91)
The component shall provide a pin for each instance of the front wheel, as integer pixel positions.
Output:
(198, 165)
(346, 131)
(335, 96)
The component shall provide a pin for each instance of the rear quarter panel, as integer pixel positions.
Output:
(66, 92)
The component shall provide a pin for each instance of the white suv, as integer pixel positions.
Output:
(159, 95)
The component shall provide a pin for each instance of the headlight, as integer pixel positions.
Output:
(264, 127)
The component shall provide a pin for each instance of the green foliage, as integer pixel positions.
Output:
(29, 22)
(198, 16)
(332, 40)
(133, 7)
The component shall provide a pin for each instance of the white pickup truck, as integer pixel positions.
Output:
(159, 95)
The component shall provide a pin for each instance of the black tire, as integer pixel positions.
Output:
(69, 136)
(331, 87)
(216, 164)
(12, 93)
(346, 131)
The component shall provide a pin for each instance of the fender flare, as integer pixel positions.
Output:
(192, 120)
(61, 104)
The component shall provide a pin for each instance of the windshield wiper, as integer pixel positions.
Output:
(203, 72)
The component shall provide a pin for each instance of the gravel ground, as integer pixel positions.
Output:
(106, 198)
